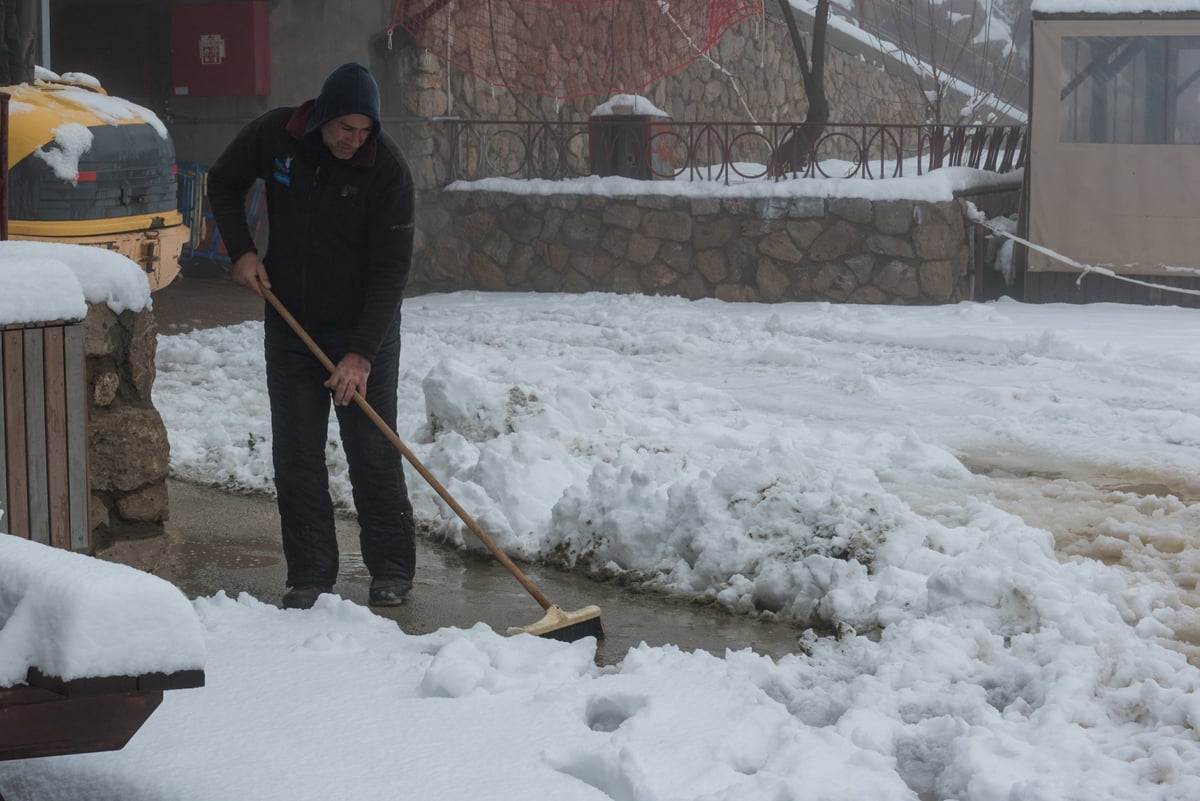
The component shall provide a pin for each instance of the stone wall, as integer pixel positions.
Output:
(736, 249)
(127, 441)
(752, 76)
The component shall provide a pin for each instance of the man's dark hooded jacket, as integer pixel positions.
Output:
(340, 235)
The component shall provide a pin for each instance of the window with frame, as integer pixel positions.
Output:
(1141, 90)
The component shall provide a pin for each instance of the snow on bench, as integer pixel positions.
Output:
(87, 648)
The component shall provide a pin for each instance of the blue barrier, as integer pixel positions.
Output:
(205, 241)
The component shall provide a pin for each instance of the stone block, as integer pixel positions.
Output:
(772, 208)
(147, 505)
(105, 387)
(519, 265)
(556, 257)
(693, 287)
(564, 202)
(779, 246)
(475, 227)
(886, 245)
(497, 247)
(772, 282)
(833, 282)
(128, 447)
(838, 240)
(712, 233)
(868, 294)
(142, 347)
(623, 215)
(806, 207)
(657, 276)
(852, 209)
(712, 264)
(98, 330)
(862, 267)
(97, 513)
(616, 242)
(675, 226)
(898, 279)
(520, 223)
(444, 261)
(580, 229)
(624, 279)
(935, 241)
(736, 293)
(893, 216)
(661, 202)
(804, 233)
(937, 281)
(485, 274)
(677, 256)
(642, 249)
(595, 267)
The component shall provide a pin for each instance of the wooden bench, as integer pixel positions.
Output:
(50, 717)
(77, 624)
(43, 434)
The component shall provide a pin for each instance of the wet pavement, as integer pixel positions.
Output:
(218, 540)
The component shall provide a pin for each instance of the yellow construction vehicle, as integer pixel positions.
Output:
(87, 168)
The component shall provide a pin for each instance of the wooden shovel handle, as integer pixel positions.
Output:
(411, 457)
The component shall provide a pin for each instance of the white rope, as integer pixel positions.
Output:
(1090, 268)
(665, 8)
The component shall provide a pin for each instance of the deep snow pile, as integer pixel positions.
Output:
(911, 478)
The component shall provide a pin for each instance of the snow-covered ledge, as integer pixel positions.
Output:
(73, 616)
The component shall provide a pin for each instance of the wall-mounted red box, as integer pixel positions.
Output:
(220, 49)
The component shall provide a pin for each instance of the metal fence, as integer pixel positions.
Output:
(660, 149)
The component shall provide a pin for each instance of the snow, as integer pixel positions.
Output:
(993, 505)
(107, 619)
(74, 141)
(89, 95)
(623, 104)
(45, 281)
(936, 186)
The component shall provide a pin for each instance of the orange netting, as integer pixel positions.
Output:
(570, 48)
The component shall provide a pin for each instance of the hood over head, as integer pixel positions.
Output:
(349, 89)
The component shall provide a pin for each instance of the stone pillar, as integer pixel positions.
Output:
(127, 440)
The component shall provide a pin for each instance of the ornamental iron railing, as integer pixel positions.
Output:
(654, 148)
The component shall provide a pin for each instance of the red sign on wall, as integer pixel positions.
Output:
(220, 49)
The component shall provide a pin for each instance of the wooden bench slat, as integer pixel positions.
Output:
(54, 370)
(3, 447)
(16, 510)
(78, 478)
(35, 434)
(147, 682)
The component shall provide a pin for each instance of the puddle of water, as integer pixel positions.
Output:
(221, 541)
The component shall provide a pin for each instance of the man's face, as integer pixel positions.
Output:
(346, 134)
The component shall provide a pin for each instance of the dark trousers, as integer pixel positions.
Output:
(299, 427)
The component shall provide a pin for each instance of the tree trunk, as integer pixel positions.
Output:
(795, 151)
